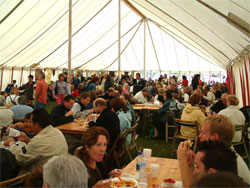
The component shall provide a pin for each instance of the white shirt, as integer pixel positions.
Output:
(13, 97)
(46, 144)
(140, 97)
(243, 170)
(186, 97)
(6, 116)
(236, 117)
(210, 97)
(77, 111)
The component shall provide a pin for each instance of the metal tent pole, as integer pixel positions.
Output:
(144, 52)
(119, 40)
(69, 44)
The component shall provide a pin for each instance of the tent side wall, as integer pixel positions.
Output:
(239, 80)
(8, 74)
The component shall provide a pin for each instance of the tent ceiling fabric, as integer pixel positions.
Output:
(180, 35)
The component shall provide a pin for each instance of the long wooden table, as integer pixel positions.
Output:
(169, 168)
(76, 127)
(145, 107)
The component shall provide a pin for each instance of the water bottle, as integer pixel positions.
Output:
(138, 161)
(143, 175)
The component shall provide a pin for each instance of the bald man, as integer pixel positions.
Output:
(220, 104)
(107, 119)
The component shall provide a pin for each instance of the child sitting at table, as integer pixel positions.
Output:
(25, 126)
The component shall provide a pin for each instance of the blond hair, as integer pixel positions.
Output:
(233, 100)
(14, 90)
(160, 91)
(223, 126)
(198, 91)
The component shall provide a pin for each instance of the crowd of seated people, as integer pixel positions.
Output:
(111, 99)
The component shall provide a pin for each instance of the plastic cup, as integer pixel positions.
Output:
(147, 153)
(142, 185)
(154, 170)
(14, 133)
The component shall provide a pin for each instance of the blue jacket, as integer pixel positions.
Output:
(125, 122)
(132, 112)
(162, 110)
(88, 87)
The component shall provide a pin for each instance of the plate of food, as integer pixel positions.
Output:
(123, 182)
(171, 183)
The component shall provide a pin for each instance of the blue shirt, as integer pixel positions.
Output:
(20, 110)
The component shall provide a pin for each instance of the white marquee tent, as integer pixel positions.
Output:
(156, 35)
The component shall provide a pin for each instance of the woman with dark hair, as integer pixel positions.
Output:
(126, 99)
(123, 113)
(93, 97)
(60, 89)
(160, 117)
(106, 82)
(92, 84)
(195, 81)
(192, 112)
(94, 145)
(184, 81)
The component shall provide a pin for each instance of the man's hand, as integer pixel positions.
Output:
(115, 173)
(9, 140)
(70, 113)
(185, 158)
(90, 117)
(91, 111)
(23, 138)
(184, 154)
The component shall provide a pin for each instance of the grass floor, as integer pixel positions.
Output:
(159, 147)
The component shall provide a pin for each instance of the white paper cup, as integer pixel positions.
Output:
(154, 170)
(147, 152)
(142, 185)
(14, 133)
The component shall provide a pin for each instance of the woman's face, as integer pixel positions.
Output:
(61, 78)
(96, 151)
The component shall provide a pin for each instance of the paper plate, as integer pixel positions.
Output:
(133, 182)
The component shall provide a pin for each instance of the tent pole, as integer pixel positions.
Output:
(69, 44)
(1, 79)
(12, 71)
(21, 76)
(144, 52)
(119, 40)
